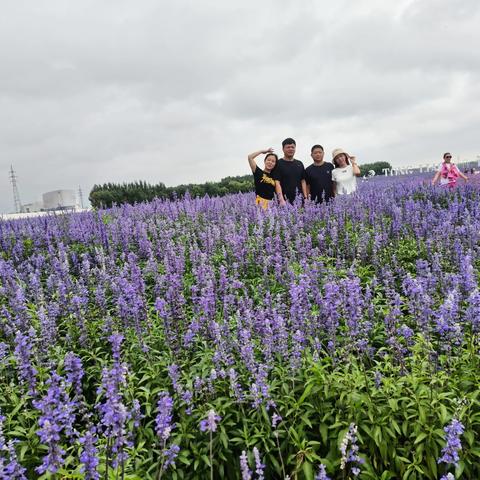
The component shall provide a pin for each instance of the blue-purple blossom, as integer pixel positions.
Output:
(472, 314)
(170, 454)
(3, 352)
(114, 414)
(174, 374)
(74, 370)
(349, 451)
(453, 431)
(116, 340)
(235, 385)
(89, 455)
(55, 422)
(163, 420)
(187, 397)
(259, 466)
(276, 419)
(136, 413)
(448, 476)
(23, 355)
(244, 468)
(10, 468)
(210, 423)
(322, 473)
(241, 295)
(378, 378)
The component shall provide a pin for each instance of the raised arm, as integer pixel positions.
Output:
(252, 156)
(355, 167)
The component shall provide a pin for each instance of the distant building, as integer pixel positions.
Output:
(59, 200)
(53, 201)
(32, 207)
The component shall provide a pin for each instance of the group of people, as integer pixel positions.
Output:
(287, 177)
(321, 181)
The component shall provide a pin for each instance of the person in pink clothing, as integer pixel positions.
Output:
(448, 172)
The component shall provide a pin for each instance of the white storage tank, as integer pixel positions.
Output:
(32, 207)
(59, 200)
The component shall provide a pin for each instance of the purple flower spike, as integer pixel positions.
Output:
(450, 452)
(56, 419)
(259, 466)
(210, 424)
(170, 454)
(163, 422)
(276, 419)
(349, 451)
(23, 354)
(9, 466)
(322, 473)
(448, 476)
(244, 468)
(74, 369)
(89, 457)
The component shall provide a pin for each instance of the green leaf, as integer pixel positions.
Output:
(306, 421)
(305, 393)
(393, 403)
(459, 470)
(432, 463)
(469, 435)
(442, 413)
(224, 439)
(475, 451)
(324, 432)
(420, 438)
(308, 470)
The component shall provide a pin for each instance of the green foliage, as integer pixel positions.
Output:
(377, 167)
(109, 194)
(400, 419)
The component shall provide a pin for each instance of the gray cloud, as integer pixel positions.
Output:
(180, 92)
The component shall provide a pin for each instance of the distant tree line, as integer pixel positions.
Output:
(108, 194)
(377, 167)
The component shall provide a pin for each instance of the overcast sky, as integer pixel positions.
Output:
(181, 91)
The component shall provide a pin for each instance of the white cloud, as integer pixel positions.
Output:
(180, 92)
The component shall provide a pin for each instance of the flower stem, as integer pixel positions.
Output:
(280, 454)
(211, 457)
(161, 462)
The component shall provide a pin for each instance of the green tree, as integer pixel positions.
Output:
(376, 167)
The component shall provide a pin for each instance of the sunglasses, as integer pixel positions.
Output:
(448, 156)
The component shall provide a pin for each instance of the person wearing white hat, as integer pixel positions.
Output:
(344, 175)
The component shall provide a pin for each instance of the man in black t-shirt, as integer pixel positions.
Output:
(289, 174)
(319, 177)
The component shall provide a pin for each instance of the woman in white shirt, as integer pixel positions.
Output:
(345, 173)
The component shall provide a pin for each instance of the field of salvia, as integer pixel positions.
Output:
(205, 338)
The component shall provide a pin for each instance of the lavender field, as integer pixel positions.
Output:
(206, 338)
